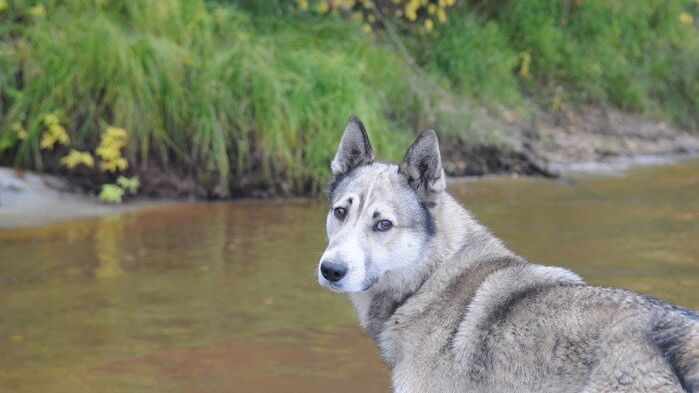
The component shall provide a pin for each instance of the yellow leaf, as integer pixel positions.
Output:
(685, 18)
(115, 132)
(38, 11)
(322, 7)
(47, 141)
(525, 60)
(75, 158)
(441, 15)
(50, 119)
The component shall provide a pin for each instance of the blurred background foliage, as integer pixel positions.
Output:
(252, 95)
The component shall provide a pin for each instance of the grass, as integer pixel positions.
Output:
(235, 95)
(634, 55)
(199, 87)
(475, 56)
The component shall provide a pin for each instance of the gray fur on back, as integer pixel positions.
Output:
(468, 315)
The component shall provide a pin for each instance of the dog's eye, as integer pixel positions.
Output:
(340, 213)
(384, 225)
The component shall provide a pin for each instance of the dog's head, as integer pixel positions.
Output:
(379, 224)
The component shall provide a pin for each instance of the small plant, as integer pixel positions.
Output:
(75, 158)
(130, 185)
(54, 133)
(113, 139)
(111, 193)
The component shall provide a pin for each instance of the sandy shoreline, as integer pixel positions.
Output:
(32, 199)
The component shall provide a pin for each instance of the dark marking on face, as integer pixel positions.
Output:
(362, 199)
(339, 179)
(334, 183)
(376, 215)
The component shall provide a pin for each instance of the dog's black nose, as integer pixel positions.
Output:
(332, 271)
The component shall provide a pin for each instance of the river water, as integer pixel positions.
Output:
(222, 297)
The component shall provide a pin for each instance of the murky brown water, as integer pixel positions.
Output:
(222, 297)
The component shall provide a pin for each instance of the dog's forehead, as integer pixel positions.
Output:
(378, 183)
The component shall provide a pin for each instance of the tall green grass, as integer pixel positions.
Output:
(476, 56)
(202, 89)
(635, 55)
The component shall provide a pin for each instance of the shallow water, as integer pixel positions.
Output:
(222, 297)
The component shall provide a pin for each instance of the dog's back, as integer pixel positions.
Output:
(507, 325)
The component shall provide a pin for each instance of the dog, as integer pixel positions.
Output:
(451, 309)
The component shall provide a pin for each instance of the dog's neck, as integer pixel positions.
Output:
(459, 243)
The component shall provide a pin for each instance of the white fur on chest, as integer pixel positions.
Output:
(361, 302)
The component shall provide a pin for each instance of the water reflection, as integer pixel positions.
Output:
(109, 247)
(222, 297)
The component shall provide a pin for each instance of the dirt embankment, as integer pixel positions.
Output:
(585, 136)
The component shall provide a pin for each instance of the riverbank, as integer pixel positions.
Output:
(30, 199)
(548, 143)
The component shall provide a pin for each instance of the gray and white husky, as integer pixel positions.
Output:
(451, 309)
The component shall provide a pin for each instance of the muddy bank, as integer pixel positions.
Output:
(584, 137)
(30, 199)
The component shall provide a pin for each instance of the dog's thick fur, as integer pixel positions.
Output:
(451, 309)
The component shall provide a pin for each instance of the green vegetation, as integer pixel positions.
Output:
(200, 88)
(248, 94)
(636, 55)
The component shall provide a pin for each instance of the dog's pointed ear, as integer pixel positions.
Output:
(423, 166)
(354, 149)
